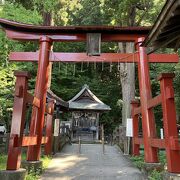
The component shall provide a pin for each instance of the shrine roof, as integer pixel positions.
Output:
(59, 101)
(86, 100)
(166, 30)
(21, 27)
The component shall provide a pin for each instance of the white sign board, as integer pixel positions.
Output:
(56, 127)
(129, 128)
(161, 133)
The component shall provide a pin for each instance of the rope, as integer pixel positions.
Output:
(98, 58)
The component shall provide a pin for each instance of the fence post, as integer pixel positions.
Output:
(135, 147)
(169, 122)
(18, 120)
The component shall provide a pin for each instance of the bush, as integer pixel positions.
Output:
(138, 161)
(155, 175)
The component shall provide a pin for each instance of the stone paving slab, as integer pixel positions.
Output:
(91, 164)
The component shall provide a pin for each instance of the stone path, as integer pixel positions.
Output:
(91, 164)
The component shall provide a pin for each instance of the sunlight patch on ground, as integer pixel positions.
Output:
(67, 162)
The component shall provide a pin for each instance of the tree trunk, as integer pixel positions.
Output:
(127, 78)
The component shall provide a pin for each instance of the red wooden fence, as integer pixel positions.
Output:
(17, 140)
(170, 141)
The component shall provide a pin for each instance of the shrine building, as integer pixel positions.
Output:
(86, 109)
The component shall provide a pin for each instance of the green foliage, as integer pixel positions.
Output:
(33, 174)
(162, 157)
(138, 161)
(155, 175)
(132, 12)
(6, 93)
(3, 159)
(94, 13)
(46, 160)
(16, 12)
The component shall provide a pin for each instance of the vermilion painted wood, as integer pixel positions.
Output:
(137, 110)
(18, 119)
(36, 37)
(104, 57)
(37, 121)
(32, 140)
(50, 30)
(33, 100)
(151, 103)
(169, 122)
(154, 101)
(49, 129)
(49, 109)
(135, 147)
(29, 140)
(44, 140)
(160, 143)
(138, 140)
(71, 37)
(148, 122)
(174, 143)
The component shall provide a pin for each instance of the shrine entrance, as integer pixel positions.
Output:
(46, 35)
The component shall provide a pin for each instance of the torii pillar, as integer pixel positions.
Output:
(148, 120)
(37, 121)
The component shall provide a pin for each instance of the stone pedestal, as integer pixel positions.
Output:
(35, 166)
(153, 166)
(149, 167)
(13, 174)
(56, 144)
(171, 176)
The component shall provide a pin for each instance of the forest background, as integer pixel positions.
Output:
(105, 81)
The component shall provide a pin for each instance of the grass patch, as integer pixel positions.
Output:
(162, 157)
(35, 175)
(3, 159)
(46, 160)
(32, 175)
(155, 175)
(138, 161)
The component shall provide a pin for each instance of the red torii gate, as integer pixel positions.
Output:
(48, 34)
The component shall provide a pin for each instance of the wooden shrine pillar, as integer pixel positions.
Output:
(172, 144)
(135, 118)
(148, 120)
(97, 127)
(37, 119)
(18, 120)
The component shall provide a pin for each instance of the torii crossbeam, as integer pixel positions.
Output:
(104, 57)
